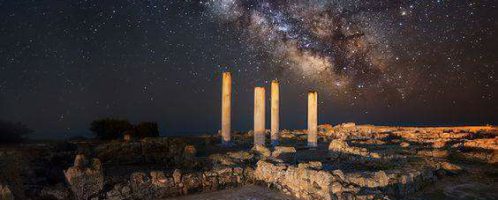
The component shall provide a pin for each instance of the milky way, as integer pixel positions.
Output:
(340, 44)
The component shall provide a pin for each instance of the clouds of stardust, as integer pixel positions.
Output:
(339, 44)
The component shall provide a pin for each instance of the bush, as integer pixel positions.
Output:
(13, 132)
(110, 128)
(146, 129)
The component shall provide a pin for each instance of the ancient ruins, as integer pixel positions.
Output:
(345, 161)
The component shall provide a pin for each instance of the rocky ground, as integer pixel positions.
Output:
(350, 162)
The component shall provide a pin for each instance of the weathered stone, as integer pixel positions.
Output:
(6, 193)
(241, 156)
(483, 143)
(58, 192)
(404, 144)
(316, 165)
(368, 179)
(80, 161)
(438, 144)
(284, 153)
(158, 178)
(177, 176)
(450, 167)
(85, 181)
(221, 160)
(118, 192)
(433, 153)
(191, 183)
(262, 151)
(269, 172)
(340, 147)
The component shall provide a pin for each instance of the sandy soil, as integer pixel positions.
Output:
(249, 192)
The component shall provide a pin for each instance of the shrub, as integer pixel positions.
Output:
(13, 132)
(110, 128)
(146, 129)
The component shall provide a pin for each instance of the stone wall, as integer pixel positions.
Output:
(159, 184)
(307, 182)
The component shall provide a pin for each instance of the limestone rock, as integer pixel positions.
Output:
(85, 180)
(221, 160)
(450, 167)
(158, 178)
(368, 179)
(404, 144)
(347, 125)
(284, 153)
(340, 147)
(433, 153)
(177, 176)
(269, 172)
(5, 193)
(483, 143)
(262, 151)
(438, 144)
(316, 165)
(118, 192)
(58, 192)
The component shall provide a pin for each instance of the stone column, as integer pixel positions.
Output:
(312, 118)
(259, 116)
(275, 112)
(226, 98)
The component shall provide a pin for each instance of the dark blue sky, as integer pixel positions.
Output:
(66, 63)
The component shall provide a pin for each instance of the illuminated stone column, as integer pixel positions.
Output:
(259, 116)
(226, 98)
(274, 112)
(312, 118)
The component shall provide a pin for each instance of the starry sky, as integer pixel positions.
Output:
(66, 63)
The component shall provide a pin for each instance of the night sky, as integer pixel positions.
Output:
(66, 63)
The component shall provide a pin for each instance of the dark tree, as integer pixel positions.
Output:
(110, 128)
(13, 132)
(146, 129)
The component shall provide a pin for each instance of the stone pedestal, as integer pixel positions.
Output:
(312, 118)
(226, 98)
(259, 116)
(275, 100)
